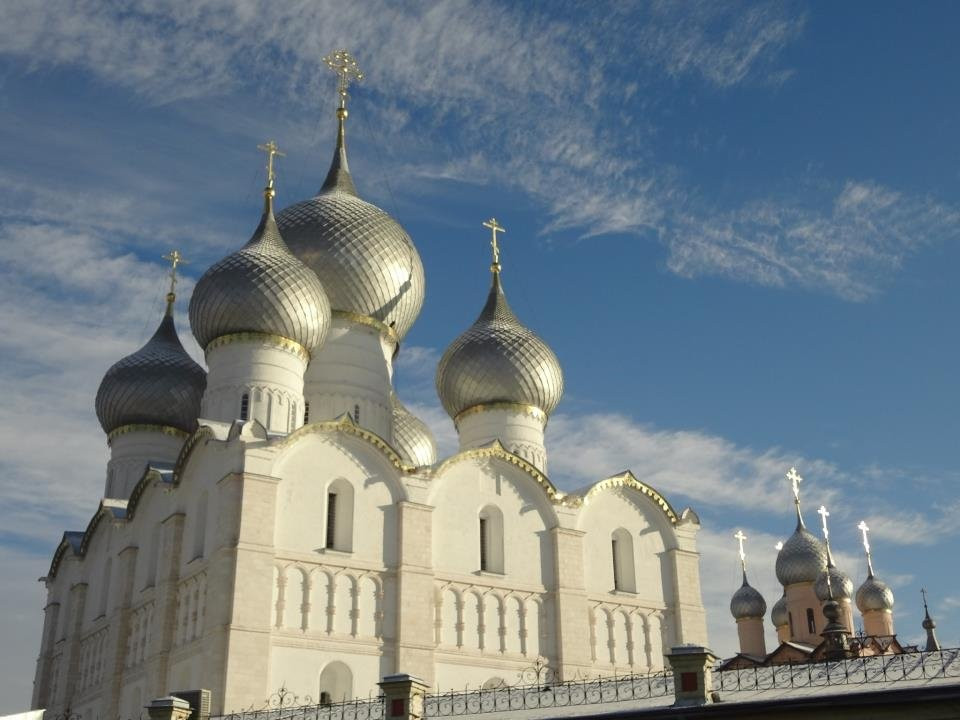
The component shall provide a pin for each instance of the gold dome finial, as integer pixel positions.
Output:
(174, 258)
(345, 66)
(495, 227)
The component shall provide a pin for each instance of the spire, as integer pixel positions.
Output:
(929, 625)
(175, 258)
(862, 527)
(794, 477)
(345, 66)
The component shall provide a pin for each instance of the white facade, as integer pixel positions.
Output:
(217, 574)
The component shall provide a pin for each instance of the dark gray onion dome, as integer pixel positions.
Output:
(159, 384)
(261, 288)
(779, 616)
(840, 584)
(366, 261)
(412, 438)
(874, 594)
(802, 557)
(498, 360)
(747, 602)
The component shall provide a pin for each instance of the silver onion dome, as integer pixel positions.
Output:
(498, 359)
(261, 288)
(779, 616)
(874, 594)
(159, 384)
(412, 438)
(747, 602)
(802, 558)
(840, 586)
(366, 261)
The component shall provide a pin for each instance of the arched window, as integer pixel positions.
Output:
(811, 623)
(338, 528)
(336, 683)
(790, 618)
(306, 413)
(356, 414)
(624, 572)
(491, 539)
(104, 589)
(245, 406)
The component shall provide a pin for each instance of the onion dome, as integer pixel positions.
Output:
(840, 584)
(412, 438)
(747, 602)
(498, 360)
(366, 261)
(159, 384)
(778, 616)
(874, 594)
(261, 288)
(801, 559)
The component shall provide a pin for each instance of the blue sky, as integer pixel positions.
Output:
(737, 226)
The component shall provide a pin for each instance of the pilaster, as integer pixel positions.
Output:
(41, 682)
(71, 650)
(572, 613)
(415, 592)
(119, 629)
(158, 649)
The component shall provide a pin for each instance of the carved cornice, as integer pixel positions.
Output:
(531, 410)
(629, 480)
(345, 424)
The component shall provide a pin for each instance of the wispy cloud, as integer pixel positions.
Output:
(848, 246)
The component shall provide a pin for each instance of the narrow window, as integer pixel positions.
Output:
(356, 414)
(811, 625)
(324, 698)
(483, 544)
(616, 568)
(790, 618)
(331, 519)
(306, 413)
(245, 406)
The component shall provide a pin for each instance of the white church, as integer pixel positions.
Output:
(280, 520)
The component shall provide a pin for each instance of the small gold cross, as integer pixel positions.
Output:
(824, 514)
(794, 477)
(174, 258)
(495, 227)
(271, 149)
(740, 538)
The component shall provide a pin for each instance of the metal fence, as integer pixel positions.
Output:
(360, 709)
(564, 694)
(916, 666)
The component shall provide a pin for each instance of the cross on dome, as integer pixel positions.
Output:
(271, 149)
(794, 477)
(862, 527)
(345, 66)
(174, 258)
(824, 514)
(495, 227)
(743, 556)
(779, 546)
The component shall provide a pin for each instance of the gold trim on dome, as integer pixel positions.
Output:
(146, 427)
(628, 479)
(268, 338)
(345, 424)
(495, 449)
(531, 410)
(368, 321)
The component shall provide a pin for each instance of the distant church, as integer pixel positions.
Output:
(814, 616)
(281, 519)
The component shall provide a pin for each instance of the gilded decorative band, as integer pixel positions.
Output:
(144, 427)
(368, 321)
(275, 340)
(531, 410)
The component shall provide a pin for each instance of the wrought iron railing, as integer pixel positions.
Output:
(916, 666)
(562, 694)
(285, 705)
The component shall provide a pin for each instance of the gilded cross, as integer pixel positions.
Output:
(822, 512)
(271, 149)
(794, 477)
(923, 591)
(495, 227)
(862, 527)
(743, 556)
(174, 258)
(779, 546)
(345, 66)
